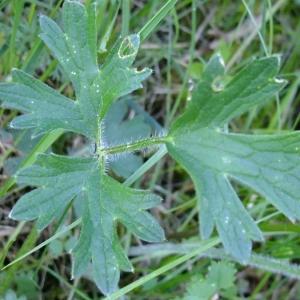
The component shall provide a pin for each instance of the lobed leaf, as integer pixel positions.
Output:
(46, 109)
(59, 179)
(220, 278)
(267, 163)
(96, 87)
(215, 101)
(118, 79)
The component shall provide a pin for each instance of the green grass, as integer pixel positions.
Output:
(176, 42)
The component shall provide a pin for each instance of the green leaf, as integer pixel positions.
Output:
(199, 290)
(118, 79)
(96, 87)
(46, 109)
(220, 277)
(75, 48)
(59, 179)
(221, 274)
(267, 163)
(216, 101)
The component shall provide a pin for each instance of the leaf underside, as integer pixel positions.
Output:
(59, 179)
(269, 164)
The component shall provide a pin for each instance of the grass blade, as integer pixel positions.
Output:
(204, 246)
(45, 243)
(156, 19)
(125, 17)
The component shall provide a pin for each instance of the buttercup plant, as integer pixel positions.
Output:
(198, 140)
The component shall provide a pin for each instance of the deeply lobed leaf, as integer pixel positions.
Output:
(59, 180)
(220, 277)
(267, 163)
(96, 87)
(215, 101)
(45, 108)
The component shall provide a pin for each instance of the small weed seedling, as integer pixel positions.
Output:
(218, 281)
(198, 140)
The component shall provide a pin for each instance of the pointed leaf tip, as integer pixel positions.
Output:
(43, 21)
(220, 59)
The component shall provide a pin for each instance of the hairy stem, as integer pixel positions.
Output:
(134, 146)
